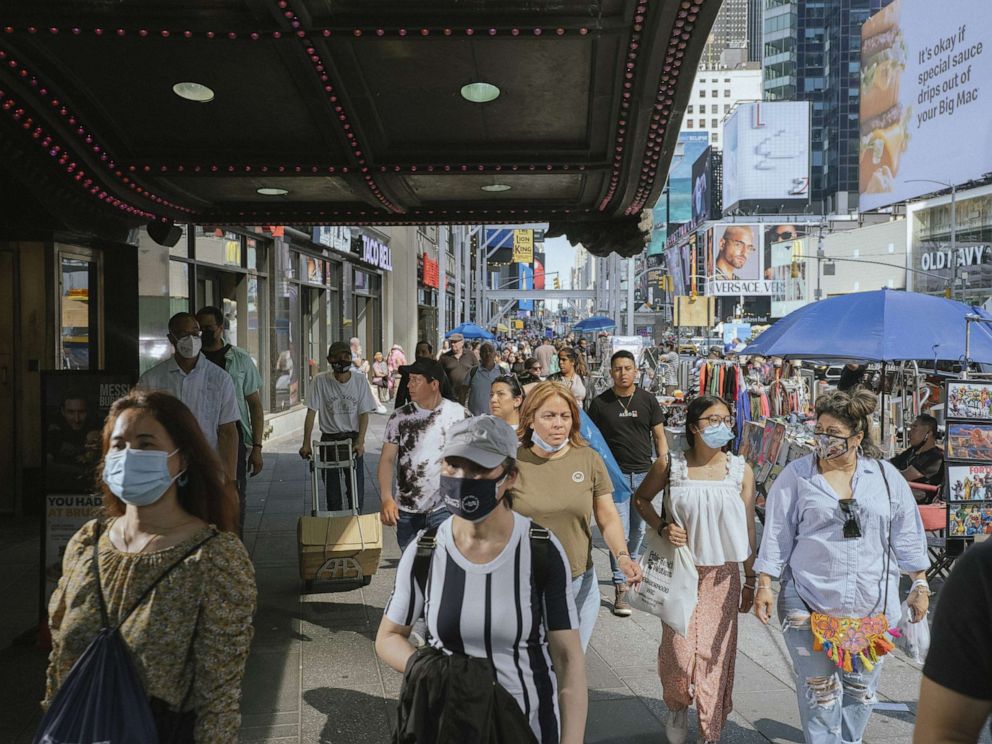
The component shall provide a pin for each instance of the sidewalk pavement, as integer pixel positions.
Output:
(313, 675)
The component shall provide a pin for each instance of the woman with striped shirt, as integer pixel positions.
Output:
(496, 587)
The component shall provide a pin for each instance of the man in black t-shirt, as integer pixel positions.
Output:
(956, 694)
(629, 419)
(923, 461)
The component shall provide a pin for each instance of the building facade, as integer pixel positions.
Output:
(714, 94)
(812, 52)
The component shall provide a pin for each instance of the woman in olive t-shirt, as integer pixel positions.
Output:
(561, 483)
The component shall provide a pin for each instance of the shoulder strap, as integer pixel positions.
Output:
(422, 560)
(144, 595)
(540, 545)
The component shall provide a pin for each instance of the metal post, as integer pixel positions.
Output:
(442, 292)
(954, 242)
(819, 263)
(630, 296)
(455, 232)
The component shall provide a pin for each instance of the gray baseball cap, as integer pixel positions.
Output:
(485, 440)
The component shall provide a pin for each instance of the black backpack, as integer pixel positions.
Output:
(102, 700)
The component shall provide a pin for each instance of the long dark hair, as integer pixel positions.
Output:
(695, 410)
(204, 494)
(576, 359)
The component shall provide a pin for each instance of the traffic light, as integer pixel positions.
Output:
(557, 283)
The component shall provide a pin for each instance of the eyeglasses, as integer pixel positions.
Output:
(717, 420)
(787, 235)
(851, 527)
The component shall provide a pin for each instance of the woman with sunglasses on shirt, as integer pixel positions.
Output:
(840, 526)
(711, 497)
(506, 398)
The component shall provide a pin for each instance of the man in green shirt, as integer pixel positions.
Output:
(247, 384)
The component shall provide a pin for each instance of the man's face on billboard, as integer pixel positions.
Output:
(735, 245)
(74, 413)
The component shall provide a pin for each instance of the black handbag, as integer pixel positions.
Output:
(102, 699)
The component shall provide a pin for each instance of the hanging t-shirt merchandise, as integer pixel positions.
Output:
(626, 423)
(338, 405)
(420, 434)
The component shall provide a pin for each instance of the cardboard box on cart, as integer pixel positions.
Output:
(337, 545)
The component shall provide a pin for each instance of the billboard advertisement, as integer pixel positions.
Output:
(766, 154)
(735, 261)
(674, 206)
(702, 183)
(926, 80)
(789, 264)
(525, 274)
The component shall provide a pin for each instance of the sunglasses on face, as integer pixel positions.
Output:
(852, 529)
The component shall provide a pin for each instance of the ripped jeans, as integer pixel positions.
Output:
(834, 706)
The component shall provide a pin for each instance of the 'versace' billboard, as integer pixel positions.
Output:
(926, 85)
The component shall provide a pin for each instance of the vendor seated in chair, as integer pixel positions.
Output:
(923, 461)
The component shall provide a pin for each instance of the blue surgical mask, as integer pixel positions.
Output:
(717, 435)
(138, 477)
(536, 439)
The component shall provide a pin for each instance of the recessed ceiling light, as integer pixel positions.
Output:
(268, 191)
(193, 92)
(497, 187)
(480, 92)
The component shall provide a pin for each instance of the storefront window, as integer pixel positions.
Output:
(286, 331)
(253, 339)
(361, 281)
(256, 254)
(218, 247)
(178, 287)
(313, 269)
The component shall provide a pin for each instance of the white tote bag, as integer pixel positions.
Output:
(670, 587)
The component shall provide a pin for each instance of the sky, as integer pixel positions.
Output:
(560, 257)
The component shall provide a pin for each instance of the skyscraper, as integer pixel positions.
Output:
(730, 31)
(754, 15)
(812, 52)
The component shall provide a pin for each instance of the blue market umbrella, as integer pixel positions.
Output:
(881, 326)
(471, 330)
(595, 323)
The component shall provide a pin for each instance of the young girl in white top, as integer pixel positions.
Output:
(712, 512)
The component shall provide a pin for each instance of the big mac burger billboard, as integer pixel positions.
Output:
(926, 98)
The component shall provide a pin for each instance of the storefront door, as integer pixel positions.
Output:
(7, 409)
(228, 291)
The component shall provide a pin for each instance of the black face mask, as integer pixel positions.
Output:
(470, 498)
(340, 367)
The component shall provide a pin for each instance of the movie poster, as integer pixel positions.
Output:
(75, 404)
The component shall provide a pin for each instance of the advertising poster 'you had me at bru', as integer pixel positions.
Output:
(926, 98)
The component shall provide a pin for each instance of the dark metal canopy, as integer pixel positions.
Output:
(352, 106)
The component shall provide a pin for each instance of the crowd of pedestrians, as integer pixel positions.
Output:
(492, 488)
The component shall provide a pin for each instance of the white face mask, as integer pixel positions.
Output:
(189, 347)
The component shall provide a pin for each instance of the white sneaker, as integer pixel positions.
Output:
(677, 726)
(381, 409)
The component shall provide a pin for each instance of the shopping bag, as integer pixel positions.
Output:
(915, 640)
(591, 433)
(101, 701)
(670, 586)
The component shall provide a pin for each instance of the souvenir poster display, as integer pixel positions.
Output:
(968, 449)
(969, 400)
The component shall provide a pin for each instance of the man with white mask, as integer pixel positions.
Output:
(203, 386)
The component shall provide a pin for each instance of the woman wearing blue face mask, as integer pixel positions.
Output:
(562, 484)
(170, 526)
(712, 512)
(474, 579)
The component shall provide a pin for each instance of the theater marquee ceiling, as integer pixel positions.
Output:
(115, 113)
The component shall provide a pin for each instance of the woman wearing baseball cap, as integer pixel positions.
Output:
(474, 579)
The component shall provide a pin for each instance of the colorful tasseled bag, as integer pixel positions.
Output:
(854, 644)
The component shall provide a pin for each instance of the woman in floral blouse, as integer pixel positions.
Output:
(165, 504)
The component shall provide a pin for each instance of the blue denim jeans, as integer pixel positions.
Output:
(834, 706)
(585, 589)
(410, 523)
(633, 527)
